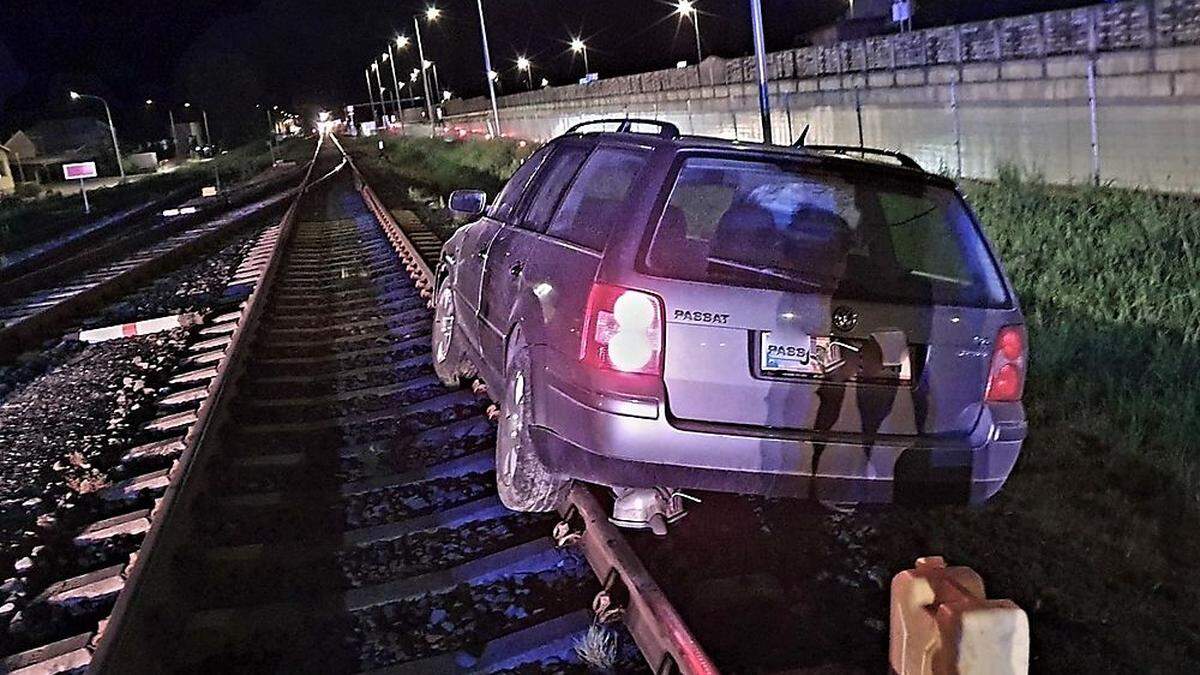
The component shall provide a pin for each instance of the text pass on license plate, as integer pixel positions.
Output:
(791, 354)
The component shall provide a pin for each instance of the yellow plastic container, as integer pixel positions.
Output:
(943, 624)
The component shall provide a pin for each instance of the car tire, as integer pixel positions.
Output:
(450, 360)
(522, 480)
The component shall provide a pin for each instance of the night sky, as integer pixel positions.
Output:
(301, 54)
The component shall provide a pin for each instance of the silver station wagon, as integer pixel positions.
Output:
(655, 313)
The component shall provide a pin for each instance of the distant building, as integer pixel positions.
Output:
(45, 146)
(8, 183)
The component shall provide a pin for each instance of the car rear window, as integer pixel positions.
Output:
(796, 227)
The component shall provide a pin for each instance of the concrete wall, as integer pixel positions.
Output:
(979, 96)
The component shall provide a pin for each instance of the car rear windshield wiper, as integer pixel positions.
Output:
(770, 271)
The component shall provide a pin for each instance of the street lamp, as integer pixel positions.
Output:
(432, 14)
(760, 65)
(204, 116)
(487, 68)
(580, 47)
(370, 91)
(75, 96)
(526, 67)
(379, 83)
(401, 43)
(687, 8)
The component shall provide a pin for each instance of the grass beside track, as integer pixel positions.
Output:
(1097, 533)
(24, 223)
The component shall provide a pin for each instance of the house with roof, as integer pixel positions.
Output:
(44, 147)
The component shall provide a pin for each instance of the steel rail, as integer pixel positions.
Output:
(657, 627)
(113, 637)
(27, 331)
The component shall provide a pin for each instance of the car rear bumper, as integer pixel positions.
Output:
(603, 439)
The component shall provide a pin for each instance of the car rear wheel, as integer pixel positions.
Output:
(450, 360)
(523, 482)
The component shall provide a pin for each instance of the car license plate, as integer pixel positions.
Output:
(797, 354)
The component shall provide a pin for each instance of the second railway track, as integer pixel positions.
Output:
(335, 510)
(36, 304)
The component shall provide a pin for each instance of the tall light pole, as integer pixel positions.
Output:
(580, 47)
(431, 15)
(401, 42)
(75, 96)
(487, 68)
(174, 135)
(437, 83)
(207, 134)
(270, 131)
(687, 8)
(170, 121)
(760, 62)
(382, 100)
(370, 92)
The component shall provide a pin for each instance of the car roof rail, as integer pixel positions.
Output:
(625, 126)
(905, 161)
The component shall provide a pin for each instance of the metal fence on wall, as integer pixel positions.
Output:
(1134, 24)
(1077, 95)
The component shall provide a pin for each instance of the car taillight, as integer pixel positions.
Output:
(623, 330)
(1006, 380)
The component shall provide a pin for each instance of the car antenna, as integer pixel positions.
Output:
(803, 135)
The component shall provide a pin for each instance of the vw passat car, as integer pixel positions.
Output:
(657, 311)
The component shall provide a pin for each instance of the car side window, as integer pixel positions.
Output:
(510, 196)
(554, 178)
(593, 204)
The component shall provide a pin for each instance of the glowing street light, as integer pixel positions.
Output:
(687, 8)
(524, 65)
(402, 41)
(580, 47)
(432, 14)
(75, 96)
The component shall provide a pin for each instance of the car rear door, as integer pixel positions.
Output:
(469, 270)
(816, 301)
(509, 273)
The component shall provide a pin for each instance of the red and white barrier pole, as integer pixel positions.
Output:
(146, 327)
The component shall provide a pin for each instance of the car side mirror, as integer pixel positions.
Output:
(468, 202)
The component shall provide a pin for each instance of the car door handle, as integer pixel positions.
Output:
(516, 269)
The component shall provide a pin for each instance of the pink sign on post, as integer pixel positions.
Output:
(79, 170)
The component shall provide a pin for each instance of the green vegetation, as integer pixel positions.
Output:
(414, 172)
(27, 222)
(1097, 533)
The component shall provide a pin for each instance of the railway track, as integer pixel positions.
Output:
(38, 303)
(331, 506)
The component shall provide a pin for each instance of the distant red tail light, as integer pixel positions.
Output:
(623, 330)
(1006, 380)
